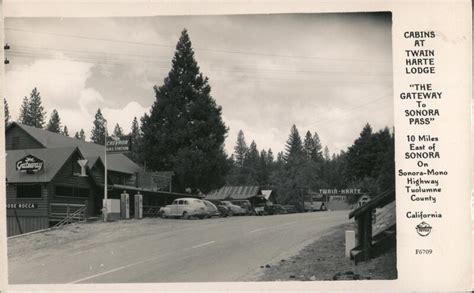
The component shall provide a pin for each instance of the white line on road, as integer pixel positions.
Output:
(256, 230)
(276, 226)
(103, 273)
(203, 244)
(117, 269)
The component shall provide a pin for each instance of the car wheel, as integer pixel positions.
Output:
(163, 216)
(186, 215)
(230, 213)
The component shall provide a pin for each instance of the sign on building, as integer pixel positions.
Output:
(29, 164)
(119, 144)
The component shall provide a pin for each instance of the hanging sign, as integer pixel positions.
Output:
(29, 164)
(118, 144)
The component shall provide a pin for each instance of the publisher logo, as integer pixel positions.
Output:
(423, 229)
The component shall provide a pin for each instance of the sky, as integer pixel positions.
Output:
(326, 73)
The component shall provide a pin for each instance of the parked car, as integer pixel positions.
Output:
(212, 210)
(245, 204)
(185, 208)
(223, 210)
(233, 209)
(290, 209)
(260, 209)
(275, 209)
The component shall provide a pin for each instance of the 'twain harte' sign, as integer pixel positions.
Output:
(118, 144)
(29, 164)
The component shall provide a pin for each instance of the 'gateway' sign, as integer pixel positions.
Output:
(116, 144)
(29, 164)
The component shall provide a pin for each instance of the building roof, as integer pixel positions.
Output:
(234, 192)
(267, 193)
(91, 151)
(53, 159)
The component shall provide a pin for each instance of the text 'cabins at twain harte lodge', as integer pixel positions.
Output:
(45, 179)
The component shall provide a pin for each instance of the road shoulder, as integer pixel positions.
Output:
(324, 259)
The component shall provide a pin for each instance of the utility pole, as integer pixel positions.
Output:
(105, 171)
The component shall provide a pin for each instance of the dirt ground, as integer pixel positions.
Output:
(90, 234)
(325, 260)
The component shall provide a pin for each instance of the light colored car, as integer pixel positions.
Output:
(233, 209)
(185, 208)
(212, 210)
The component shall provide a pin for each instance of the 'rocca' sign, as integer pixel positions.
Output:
(29, 164)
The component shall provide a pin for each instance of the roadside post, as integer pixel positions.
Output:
(350, 242)
(124, 205)
(138, 201)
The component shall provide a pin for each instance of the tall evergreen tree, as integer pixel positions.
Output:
(135, 136)
(270, 158)
(99, 132)
(65, 131)
(36, 111)
(80, 135)
(54, 123)
(308, 144)
(6, 112)
(184, 131)
(294, 145)
(24, 117)
(327, 155)
(317, 153)
(240, 149)
(118, 131)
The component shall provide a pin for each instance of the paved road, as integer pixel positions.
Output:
(211, 250)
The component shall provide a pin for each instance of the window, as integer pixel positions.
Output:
(28, 191)
(180, 202)
(71, 191)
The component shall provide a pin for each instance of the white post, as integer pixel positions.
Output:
(105, 172)
(350, 242)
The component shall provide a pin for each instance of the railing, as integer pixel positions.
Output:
(66, 213)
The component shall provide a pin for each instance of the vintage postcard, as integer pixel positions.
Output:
(237, 146)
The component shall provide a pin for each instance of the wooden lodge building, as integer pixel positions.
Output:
(44, 178)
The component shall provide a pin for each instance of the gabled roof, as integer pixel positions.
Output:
(53, 159)
(267, 193)
(115, 162)
(234, 192)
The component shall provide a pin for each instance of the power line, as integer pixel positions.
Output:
(196, 48)
(237, 69)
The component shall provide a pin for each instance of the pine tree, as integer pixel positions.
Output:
(263, 169)
(6, 112)
(118, 131)
(99, 132)
(317, 154)
(24, 117)
(308, 145)
(135, 137)
(65, 131)
(80, 135)
(36, 111)
(184, 131)
(270, 158)
(327, 155)
(294, 146)
(54, 123)
(240, 149)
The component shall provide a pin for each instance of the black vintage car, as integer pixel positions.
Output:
(275, 209)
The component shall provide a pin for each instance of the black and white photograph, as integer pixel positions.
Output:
(200, 148)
